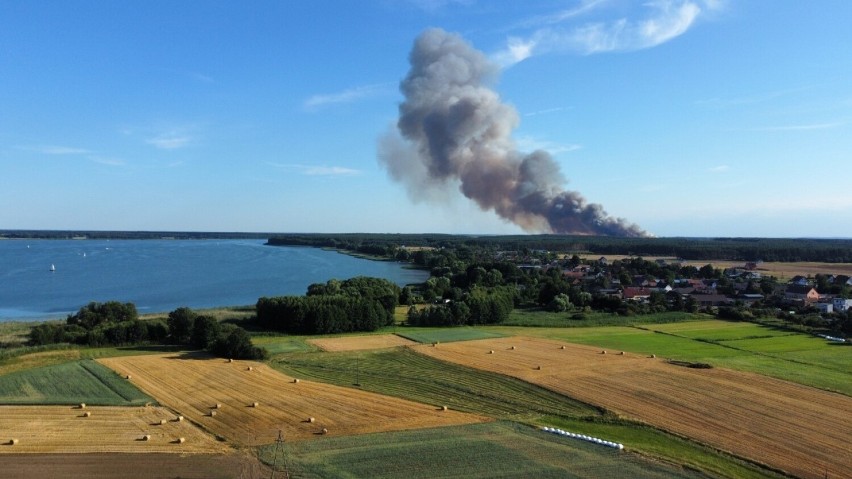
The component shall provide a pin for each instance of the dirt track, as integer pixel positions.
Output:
(798, 429)
(193, 385)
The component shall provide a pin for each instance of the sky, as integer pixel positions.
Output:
(685, 117)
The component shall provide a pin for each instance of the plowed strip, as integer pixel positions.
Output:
(798, 429)
(359, 343)
(194, 385)
(48, 429)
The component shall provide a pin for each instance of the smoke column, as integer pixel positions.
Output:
(455, 130)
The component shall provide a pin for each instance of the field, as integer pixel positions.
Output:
(75, 382)
(446, 335)
(789, 427)
(45, 429)
(359, 343)
(192, 384)
(781, 270)
(741, 346)
(473, 451)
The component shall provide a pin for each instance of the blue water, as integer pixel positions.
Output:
(162, 275)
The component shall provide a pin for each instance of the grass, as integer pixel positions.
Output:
(477, 451)
(446, 335)
(283, 344)
(403, 373)
(75, 382)
(537, 317)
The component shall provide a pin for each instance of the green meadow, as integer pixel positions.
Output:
(74, 382)
(491, 450)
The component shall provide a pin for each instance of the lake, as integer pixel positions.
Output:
(162, 275)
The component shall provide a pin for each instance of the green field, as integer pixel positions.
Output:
(403, 373)
(75, 382)
(447, 335)
(535, 317)
(477, 451)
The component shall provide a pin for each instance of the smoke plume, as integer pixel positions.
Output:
(454, 130)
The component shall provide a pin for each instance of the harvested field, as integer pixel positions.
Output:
(798, 429)
(47, 429)
(192, 385)
(133, 466)
(358, 343)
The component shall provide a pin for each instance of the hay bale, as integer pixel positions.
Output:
(324, 431)
(563, 347)
(162, 422)
(230, 360)
(146, 437)
(217, 406)
(179, 419)
(181, 440)
(255, 404)
(653, 356)
(621, 353)
(512, 348)
(295, 381)
(491, 352)
(212, 413)
(128, 377)
(87, 414)
(603, 352)
(444, 408)
(249, 368)
(82, 405)
(13, 442)
(310, 419)
(538, 368)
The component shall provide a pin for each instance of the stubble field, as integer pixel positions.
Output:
(360, 343)
(794, 428)
(193, 385)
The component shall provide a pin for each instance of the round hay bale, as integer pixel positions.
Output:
(512, 348)
(146, 437)
(217, 406)
(621, 353)
(179, 419)
(310, 419)
(324, 431)
(653, 356)
(181, 440)
(538, 368)
(230, 360)
(87, 414)
(162, 422)
(603, 352)
(491, 352)
(212, 413)
(255, 404)
(563, 347)
(82, 405)
(444, 408)
(250, 368)
(295, 381)
(128, 377)
(13, 442)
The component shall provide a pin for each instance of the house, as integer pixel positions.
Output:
(705, 300)
(636, 294)
(800, 280)
(841, 304)
(842, 279)
(825, 308)
(806, 293)
(750, 298)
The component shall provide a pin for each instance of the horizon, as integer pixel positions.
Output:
(689, 118)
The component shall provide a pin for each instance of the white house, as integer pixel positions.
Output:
(841, 304)
(825, 308)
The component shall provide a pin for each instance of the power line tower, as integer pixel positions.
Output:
(278, 458)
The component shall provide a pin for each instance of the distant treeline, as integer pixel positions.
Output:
(737, 249)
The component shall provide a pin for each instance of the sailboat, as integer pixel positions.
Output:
(52, 268)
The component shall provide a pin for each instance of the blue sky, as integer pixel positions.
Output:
(687, 117)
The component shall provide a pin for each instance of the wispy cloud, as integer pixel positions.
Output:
(102, 160)
(719, 169)
(546, 111)
(55, 150)
(169, 141)
(315, 170)
(570, 31)
(529, 143)
(803, 127)
(349, 95)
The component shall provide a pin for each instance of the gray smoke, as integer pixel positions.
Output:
(455, 131)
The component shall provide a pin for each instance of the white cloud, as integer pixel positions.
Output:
(169, 141)
(529, 143)
(719, 169)
(349, 95)
(56, 150)
(314, 170)
(803, 127)
(546, 111)
(563, 31)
